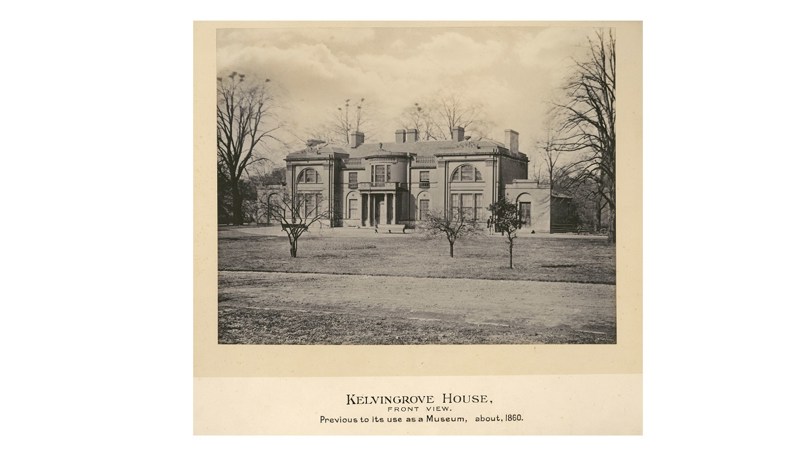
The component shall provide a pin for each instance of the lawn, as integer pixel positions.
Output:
(416, 255)
(359, 287)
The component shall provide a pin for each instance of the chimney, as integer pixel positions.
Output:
(399, 136)
(356, 139)
(512, 141)
(458, 134)
(412, 135)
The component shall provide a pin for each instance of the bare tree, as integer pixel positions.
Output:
(590, 114)
(549, 153)
(346, 118)
(243, 109)
(436, 117)
(419, 118)
(296, 214)
(452, 226)
(507, 220)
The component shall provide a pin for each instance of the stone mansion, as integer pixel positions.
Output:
(391, 185)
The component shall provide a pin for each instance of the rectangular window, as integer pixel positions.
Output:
(478, 206)
(423, 208)
(388, 173)
(424, 179)
(353, 209)
(454, 206)
(380, 174)
(353, 180)
(467, 206)
(311, 204)
(525, 212)
(308, 205)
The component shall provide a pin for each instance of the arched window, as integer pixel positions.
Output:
(308, 176)
(271, 207)
(524, 207)
(423, 205)
(353, 210)
(466, 172)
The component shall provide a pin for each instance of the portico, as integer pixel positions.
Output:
(381, 203)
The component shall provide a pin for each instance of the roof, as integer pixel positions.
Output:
(420, 148)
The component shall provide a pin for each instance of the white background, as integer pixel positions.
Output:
(97, 222)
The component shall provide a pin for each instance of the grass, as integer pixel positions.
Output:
(368, 289)
(416, 255)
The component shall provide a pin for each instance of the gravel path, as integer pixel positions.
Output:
(274, 307)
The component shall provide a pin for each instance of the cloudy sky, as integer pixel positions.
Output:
(511, 71)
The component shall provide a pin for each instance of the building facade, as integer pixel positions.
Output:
(393, 185)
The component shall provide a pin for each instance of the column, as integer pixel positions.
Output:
(369, 210)
(385, 207)
(389, 202)
(396, 208)
(362, 206)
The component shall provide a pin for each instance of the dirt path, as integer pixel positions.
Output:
(292, 308)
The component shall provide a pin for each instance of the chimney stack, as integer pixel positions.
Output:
(399, 136)
(458, 134)
(356, 139)
(512, 141)
(412, 135)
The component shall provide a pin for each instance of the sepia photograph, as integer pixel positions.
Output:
(416, 185)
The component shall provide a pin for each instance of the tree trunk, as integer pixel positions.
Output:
(510, 254)
(598, 216)
(451, 249)
(612, 225)
(293, 248)
(238, 216)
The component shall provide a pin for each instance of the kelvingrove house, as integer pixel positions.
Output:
(390, 186)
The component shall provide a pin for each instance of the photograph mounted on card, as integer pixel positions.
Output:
(418, 227)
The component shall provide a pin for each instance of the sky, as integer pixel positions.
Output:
(511, 71)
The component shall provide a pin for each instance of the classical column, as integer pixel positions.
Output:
(369, 210)
(396, 208)
(362, 207)
(386, 203)
(385, 207)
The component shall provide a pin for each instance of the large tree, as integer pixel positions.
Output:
(589, 113)
(244, 122)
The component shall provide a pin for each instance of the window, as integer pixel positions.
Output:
(353, 180)
(424, 206)
(308, 176)
(466, 173)
(379, 174)
(311, 204)
(424, 179)
(525, 212)
(467, 206)
(470, 206)
(352, 212)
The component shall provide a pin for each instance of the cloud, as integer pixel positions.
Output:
(511, 70)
